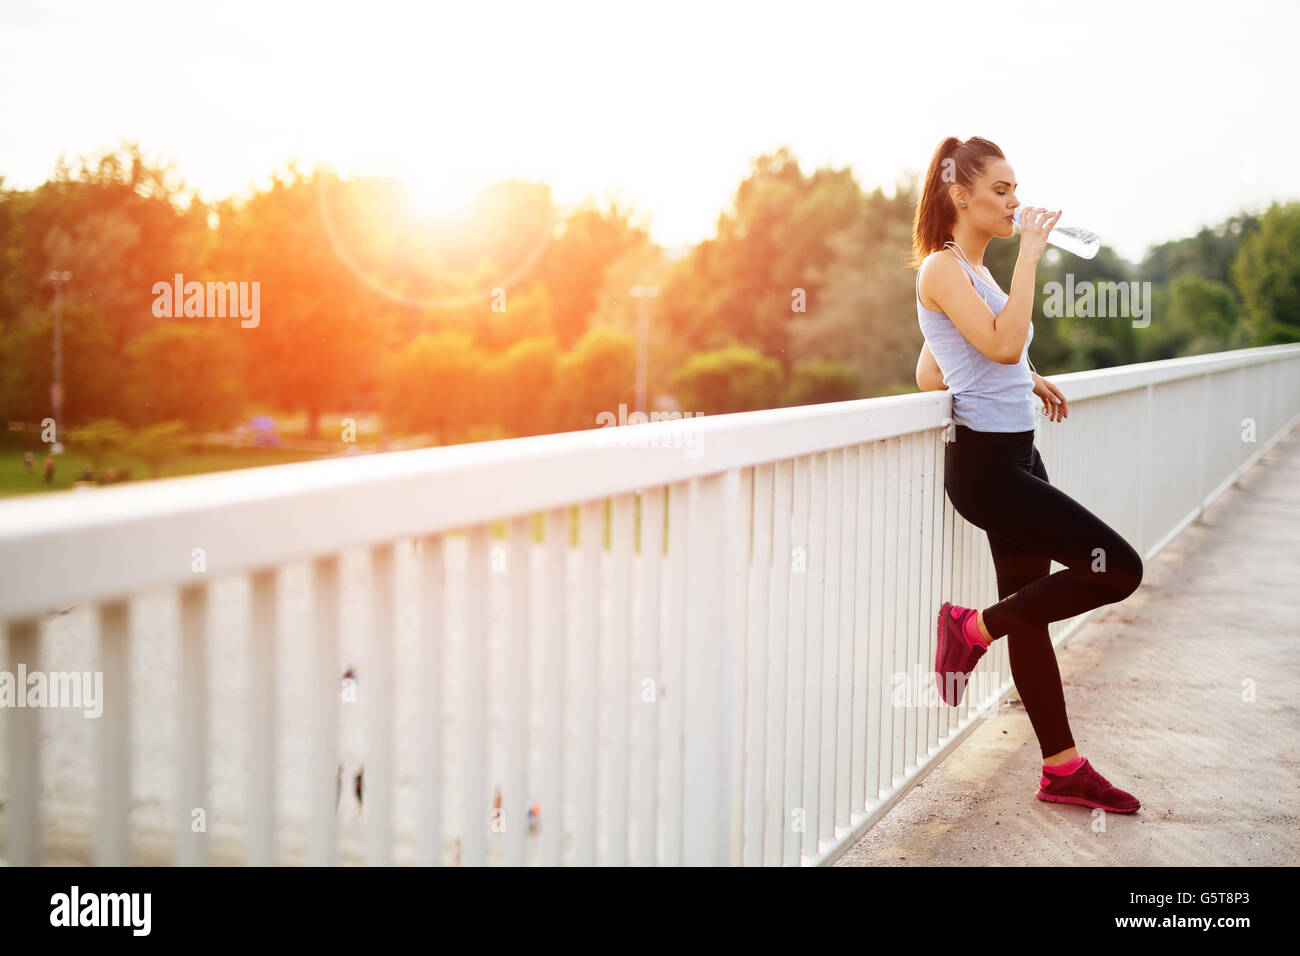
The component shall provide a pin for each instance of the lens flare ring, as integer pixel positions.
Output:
(331, 233)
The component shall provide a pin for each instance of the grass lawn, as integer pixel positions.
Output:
(14, 479)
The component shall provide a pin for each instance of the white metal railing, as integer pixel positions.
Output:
(698, 670)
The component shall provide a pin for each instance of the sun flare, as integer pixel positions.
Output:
(437, 197)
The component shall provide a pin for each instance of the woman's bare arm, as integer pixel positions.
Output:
(1001, 337)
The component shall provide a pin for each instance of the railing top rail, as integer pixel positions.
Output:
(75, 546)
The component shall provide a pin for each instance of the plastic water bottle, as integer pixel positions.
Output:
(1082, 242)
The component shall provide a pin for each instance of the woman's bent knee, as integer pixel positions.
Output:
(1123, 569)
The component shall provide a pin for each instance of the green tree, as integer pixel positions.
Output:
(188, 373)
(865, 314)
(101, 440)
(93, 383)
(597, 376)
(157, 444)
(321, 328)
(1208, 254)
(590, 240)
(1210, 311)
(438, 383)
(1078, 342)
(522, 387)
(748, 284)
(732, 379)
(818, 381)
(527, 314)
(1266, 273)
(118, 223)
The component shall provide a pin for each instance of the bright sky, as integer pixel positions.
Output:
(1142, 121)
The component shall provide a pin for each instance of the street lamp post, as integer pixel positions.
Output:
(641, 293)
(56, 389)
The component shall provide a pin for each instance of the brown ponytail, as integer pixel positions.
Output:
(935, 213)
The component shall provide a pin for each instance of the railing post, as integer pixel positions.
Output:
(778, 598)
(554, 655)
(519, 738)
(192, 782)
(587, 645)
(23, 813)
(322, 845)
(676, 640)
(476, 798)
(850, 552)
(796, 624)
(737, 508)
(622, 687)
(814, 635)
(113, 826)
(1241, 411)
(709, 655)
(649, 666)
(1201, 447)
(263, 738)
(758, 642)
(1145, 476)
(376, 686)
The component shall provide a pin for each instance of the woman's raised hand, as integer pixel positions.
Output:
(1035, 223)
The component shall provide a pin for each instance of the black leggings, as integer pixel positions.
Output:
(997, 482)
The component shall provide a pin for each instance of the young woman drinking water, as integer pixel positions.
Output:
(977, 345)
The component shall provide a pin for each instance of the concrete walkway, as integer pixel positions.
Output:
(1158, 690)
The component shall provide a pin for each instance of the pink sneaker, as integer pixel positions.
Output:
(956, 655)
(1087, 788)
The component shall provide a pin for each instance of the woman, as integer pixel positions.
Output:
(977, 343)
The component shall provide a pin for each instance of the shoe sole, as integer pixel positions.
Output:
(1084, 802)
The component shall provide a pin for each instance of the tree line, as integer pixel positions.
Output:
(518, 318)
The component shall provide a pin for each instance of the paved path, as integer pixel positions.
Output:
(1155, 689)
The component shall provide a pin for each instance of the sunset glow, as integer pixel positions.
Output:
(665, 104)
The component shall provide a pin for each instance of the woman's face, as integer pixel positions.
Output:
(991, 200)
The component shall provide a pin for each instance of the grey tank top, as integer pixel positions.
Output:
(986, 395)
